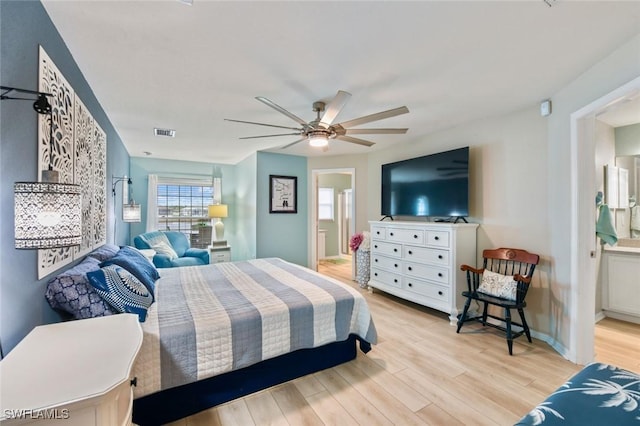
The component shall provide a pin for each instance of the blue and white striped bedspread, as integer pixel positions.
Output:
(212, 319)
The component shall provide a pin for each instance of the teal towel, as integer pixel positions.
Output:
(604, 226)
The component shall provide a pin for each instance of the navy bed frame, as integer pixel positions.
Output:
(182, 401)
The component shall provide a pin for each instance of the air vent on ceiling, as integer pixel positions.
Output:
(164, 132)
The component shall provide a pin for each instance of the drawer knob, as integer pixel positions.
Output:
(395, 265)
(440, 293)
(395, 280)
(391, 233)
(375, 260)
(415, 236)
(410, 252)
(439, 256)
(436, 238)
(378, 232)
(410, 285)
(439, 274)
(395, 250)
(376, 246)
(410, 268)
(375, 273)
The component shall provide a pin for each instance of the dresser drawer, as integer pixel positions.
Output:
(424, 288)
(438, 238)
(426, 255)
(386, 277)
(402, 235)
(388, 263)
(427, 272)
(389, 249)
(378, 232)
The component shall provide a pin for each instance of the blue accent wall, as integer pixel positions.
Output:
(282, 235)
(23, 26)
(246, 208)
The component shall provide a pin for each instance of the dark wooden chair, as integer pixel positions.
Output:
(505, 261)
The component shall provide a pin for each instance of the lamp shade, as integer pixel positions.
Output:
(131, 213)
(47, 215)
(218, 210)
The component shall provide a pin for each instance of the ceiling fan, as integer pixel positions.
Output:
(319, 131)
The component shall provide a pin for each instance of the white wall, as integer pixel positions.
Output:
(508, 188)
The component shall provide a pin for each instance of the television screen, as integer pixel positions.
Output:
(433, 185)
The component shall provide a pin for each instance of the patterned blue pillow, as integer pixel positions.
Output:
(133, 261)
(71, 292)
(122, 290)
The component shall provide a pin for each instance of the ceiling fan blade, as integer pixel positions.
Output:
(269, 136)
(262, 124)
(293, 143)
(334, 107)
(355, 140)
(375, 131)
(283, 111)
(373, 117)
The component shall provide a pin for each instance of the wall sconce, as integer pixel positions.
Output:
(48, 214)
(131, 212)
(218, 211)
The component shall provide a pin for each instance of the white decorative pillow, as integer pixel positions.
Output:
(163, 247)
(498, 285)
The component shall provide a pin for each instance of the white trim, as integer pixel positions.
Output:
(583, 278)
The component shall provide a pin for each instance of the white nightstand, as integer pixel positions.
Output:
(219, 254)
(72, 373)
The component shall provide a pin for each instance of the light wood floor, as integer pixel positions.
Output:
(421, 372)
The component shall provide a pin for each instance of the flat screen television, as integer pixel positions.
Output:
(434, 185)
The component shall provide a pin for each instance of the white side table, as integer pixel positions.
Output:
(72, 373)
(219, 254)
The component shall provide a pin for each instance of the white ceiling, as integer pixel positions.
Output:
(170, 65)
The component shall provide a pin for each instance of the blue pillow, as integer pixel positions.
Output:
(135, 262)
(104, 252)
(70, 291)
(122, 290)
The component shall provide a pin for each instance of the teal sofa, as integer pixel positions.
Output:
(187, 256)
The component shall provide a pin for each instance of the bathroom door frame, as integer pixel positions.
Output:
(313, 212)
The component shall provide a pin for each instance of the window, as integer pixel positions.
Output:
(182, 206)
(325, 203)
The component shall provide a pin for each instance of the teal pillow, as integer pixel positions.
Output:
(122, 290)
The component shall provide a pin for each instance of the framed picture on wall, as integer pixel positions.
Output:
(283, 194)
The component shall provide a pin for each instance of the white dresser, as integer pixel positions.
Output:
(420, 261)
(72, 373)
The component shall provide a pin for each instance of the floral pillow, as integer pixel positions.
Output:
(498, 285)
(71, 292)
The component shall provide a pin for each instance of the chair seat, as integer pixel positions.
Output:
(498, 301)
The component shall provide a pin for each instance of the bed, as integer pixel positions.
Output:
(599, 394)
(219, 332)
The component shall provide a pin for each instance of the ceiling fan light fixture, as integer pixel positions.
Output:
(318, 139)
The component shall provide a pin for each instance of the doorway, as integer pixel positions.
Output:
(584, 248)
(333, 220)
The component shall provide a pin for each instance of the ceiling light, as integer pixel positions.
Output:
(318, 139)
